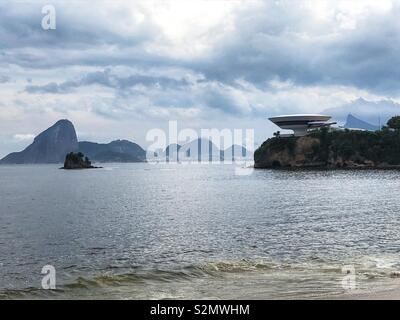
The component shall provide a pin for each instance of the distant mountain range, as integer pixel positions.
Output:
(203, 149)
(53, 144)
(372, 112)
(115, 151)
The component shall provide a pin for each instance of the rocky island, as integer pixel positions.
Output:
(77, 161)
(323, 148)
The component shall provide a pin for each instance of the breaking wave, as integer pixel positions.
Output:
(115, 279)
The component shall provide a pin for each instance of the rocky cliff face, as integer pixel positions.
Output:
(286, 152)
(50, 146)
(336, 150)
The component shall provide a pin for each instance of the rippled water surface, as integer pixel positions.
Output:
(196, 231)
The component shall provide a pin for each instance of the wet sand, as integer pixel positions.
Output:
(388, 294)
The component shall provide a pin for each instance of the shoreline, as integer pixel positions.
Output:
(384, 294)
(325, 168)
(104, 286)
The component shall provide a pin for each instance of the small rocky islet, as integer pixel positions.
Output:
(77, 161)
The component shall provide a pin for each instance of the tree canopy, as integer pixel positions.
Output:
(394, 123)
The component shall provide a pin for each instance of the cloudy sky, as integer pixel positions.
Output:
(119, 68)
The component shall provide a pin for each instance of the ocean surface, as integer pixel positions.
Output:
(167, 231)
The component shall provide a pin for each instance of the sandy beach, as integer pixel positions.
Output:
(384, 294)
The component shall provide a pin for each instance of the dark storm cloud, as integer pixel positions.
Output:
(220, 100)
(105, 78)
(51, 87)
(4, 79)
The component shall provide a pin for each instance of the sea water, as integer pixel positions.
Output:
(155, 231)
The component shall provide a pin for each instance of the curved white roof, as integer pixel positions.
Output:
(301, 123)
(300, 117)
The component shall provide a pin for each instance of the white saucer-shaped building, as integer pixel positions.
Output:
(301, 123)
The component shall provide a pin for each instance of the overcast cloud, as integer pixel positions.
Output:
(118, 68)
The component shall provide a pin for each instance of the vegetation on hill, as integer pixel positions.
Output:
(381, 146)
(394, 123)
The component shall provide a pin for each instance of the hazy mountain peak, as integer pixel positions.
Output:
(353, 122)
(368, 110)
